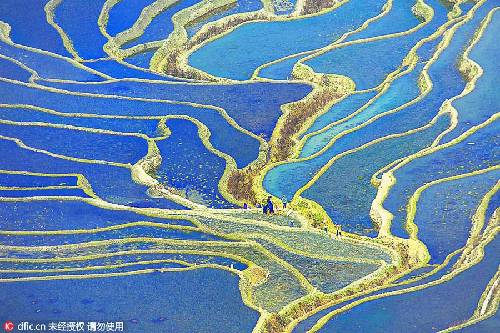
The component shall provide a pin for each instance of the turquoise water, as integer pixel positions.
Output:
(401, 91)
(480, 104)
(439, 72)
(237, 54)
(195, 301)
(341, 109)
(281, 70)
(307, 324)
(447, 82)
(208, 300)
(400, 18)
(356, 60)
(345, 190)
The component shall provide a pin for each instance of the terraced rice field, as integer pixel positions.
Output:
(139, 140)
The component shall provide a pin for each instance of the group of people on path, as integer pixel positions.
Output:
(268, 205)
(268, 209)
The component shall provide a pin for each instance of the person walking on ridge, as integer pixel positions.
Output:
(284, 201)
(270, 206)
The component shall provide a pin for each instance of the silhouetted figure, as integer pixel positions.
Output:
(284, 201)
(270, 205)
(245, 206)
(339, 231)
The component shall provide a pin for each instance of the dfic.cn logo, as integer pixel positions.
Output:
(8, 326)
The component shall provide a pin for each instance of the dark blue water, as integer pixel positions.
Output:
(10, 70)
(130, 232)
(444, 213)
(195, 301)
(428, 310)
(42, 192)
(35, 181)
(82, 29)
(125, 258)
(119, 71)
(79, 144)
(479, 151)
(241, 146)
(345, 190)
(48, 67)
(142, 59)
(307, 324)
(38, 33)
(255, 106)
(188, 165)
(65, 215)
(148, 127)
(113, 184)
(123, 15)
(491, 324)
(162, 24)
